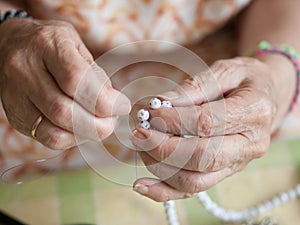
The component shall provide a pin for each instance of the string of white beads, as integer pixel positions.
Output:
(171, 212)
(246, 214)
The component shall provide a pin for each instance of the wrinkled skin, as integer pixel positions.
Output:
(228, 132)
(44, 67)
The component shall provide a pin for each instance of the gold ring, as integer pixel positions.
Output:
(35, 126)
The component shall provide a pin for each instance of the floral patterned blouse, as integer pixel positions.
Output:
(104, 24)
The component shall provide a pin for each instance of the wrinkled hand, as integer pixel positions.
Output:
(46, 69)
(229, 132)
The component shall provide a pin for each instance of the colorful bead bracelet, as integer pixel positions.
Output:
(265, 47)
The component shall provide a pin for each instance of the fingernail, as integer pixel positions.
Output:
(170, 95)
(139, 133)
(134, 132)
(141, 189)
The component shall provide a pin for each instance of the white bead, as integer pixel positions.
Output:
(261, 209)
(145, 125)
(284, 197)
(298, 189)
(268, 205)
(292, 194)
(155, 103)
(143, 114)
(276, 201)
(166, 104)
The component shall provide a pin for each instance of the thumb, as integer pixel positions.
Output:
(205, 86)
(196, 90)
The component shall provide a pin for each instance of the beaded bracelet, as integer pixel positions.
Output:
(6, 15)
(265, 47)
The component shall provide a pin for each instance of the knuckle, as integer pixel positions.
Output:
(194, 185)
(209, 159)
(196, 159)
(60, 113)
(161, 152)
(223, 64)
(267, 110)
(164, 196)
(261, 148)
(12, 63)
(104, 105)
(183, 182)
(189, 184)
(205, 124)
(43, 35)
(195, 83)
(167, 150)
(56, 139)
(71, 80)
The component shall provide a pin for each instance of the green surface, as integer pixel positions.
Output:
(28, 190)
(197, 215)
(73, 183)
(293, 147)
(77, 208)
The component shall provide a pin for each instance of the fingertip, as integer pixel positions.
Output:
(142, 133)
(141, 189)
(139, 138)
(157, 190)
(122, 105)
(142, 185)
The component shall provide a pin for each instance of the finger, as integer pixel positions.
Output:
(199, 154)
(67, 114)
(206, 86)
(86, 83)
(158, 190)
(184, 180)
(23, 116)
(245, 109)
(85, 53)
(55, 137)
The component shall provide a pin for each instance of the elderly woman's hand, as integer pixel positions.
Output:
(230, 113)
(46, 69)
